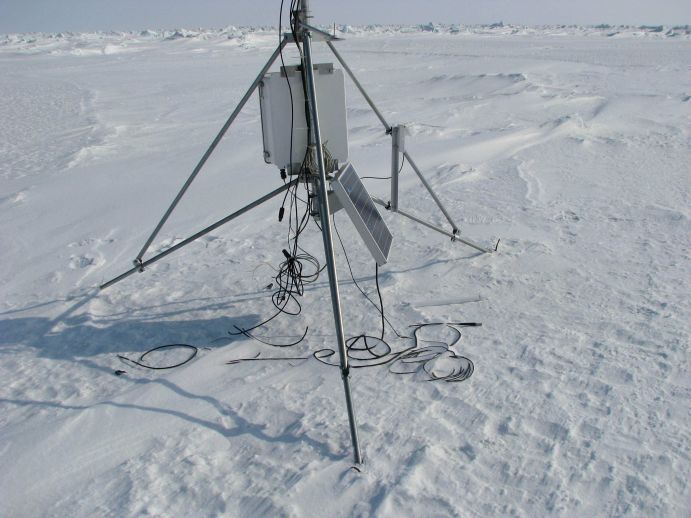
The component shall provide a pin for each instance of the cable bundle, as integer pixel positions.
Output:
(292, 273)
(366, 351)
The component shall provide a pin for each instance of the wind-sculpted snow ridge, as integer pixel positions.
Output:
(90, 42)
(111, 42)
(501, 29)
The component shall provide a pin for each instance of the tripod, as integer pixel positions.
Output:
(306, 34)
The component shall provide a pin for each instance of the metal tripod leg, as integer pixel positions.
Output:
(359, 86)
(429, 189)
(397, 135)
(211, 148)
(328, 243)
(141, 265)
(394, 176)
(454, 237)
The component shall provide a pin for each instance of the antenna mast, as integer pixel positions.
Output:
(305, 34)
(304, 12)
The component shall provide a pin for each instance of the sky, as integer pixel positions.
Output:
(92, 15)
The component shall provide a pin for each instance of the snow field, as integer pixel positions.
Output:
(570, 146)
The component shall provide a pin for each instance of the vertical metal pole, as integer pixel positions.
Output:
(396, 132)
(305, 9)
(328, 242)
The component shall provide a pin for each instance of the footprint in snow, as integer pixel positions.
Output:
(13, 199)
(83, 261)
(90, 241)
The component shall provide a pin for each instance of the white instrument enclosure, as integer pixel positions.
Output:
(274, 102)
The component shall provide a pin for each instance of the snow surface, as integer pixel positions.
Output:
(571, 144)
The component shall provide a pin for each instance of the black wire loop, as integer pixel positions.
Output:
(141, 361)
(369, 351)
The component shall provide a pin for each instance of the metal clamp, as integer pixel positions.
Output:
(138, 264)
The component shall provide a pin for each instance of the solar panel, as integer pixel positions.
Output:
(361, 209)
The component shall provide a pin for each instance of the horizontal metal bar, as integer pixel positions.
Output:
(317, 34)
(140, 267)
(454, 237)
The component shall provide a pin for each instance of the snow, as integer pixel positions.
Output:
(571, 144)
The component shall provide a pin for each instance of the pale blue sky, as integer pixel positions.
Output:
(88, 15)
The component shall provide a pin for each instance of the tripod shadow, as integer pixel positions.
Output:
(241, 426)
(78, 337)
(74, 335)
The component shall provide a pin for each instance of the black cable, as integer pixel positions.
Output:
(358, 345)
(141, 360)
(384, 177)
(381, 302)
(292, 275)
(290, 92)
(291, 278)
(352, 276)
(294, 9)
(294, 6)
(364, 354)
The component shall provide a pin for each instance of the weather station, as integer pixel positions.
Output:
(305, 135)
